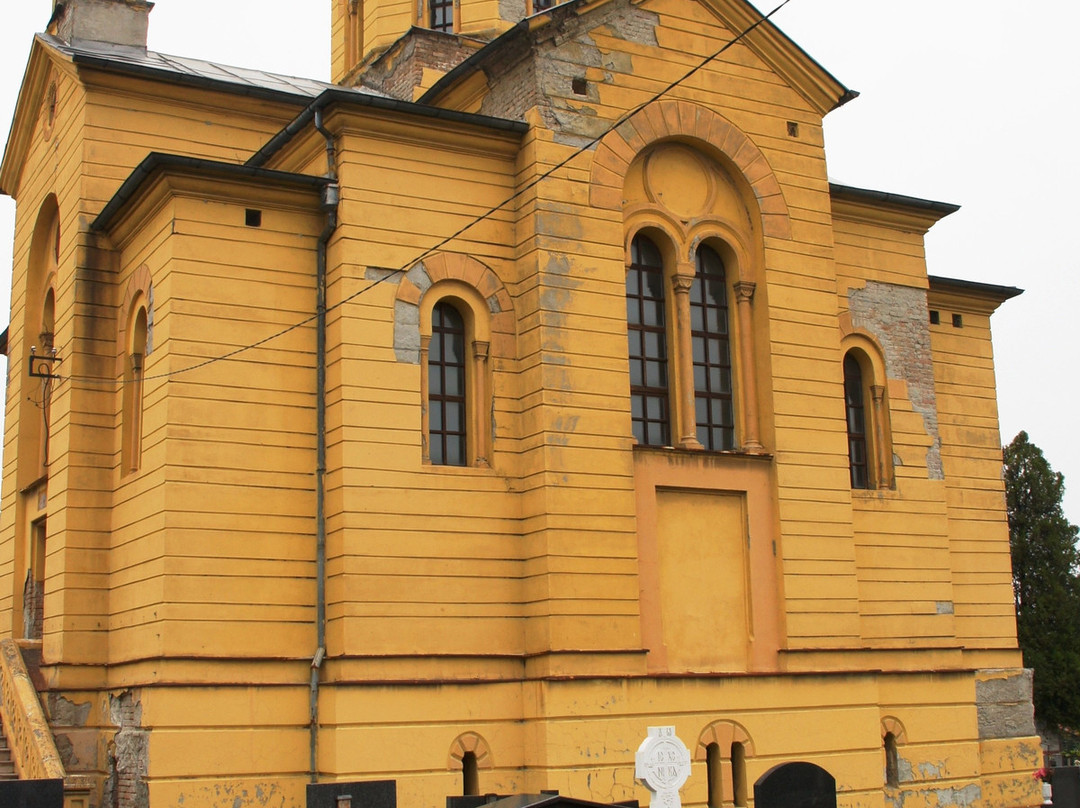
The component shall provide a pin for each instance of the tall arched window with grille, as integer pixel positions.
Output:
(855, 403)
(711, 345)
(446, 387)
(647, 337)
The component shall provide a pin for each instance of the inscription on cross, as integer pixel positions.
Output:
(662, 764)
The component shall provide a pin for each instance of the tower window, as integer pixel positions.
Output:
(442, 15)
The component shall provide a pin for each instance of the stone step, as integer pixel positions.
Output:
(7, 766)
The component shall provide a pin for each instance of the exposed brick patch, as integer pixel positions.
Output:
(539, 69)
(400, 68)
(129, 754)
(898, 318)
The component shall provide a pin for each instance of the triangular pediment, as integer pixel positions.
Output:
(681, 32)
(28, 111)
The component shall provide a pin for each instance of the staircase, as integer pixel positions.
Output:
(7, 766)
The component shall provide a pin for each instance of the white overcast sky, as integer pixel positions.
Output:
(964, 101)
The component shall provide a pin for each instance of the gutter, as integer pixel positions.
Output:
(331, 197)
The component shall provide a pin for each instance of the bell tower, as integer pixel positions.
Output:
(363, 30)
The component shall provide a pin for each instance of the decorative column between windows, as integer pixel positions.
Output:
(881, 450)
(681, 283)
(481, 428)
(425, 433)
(744, 295)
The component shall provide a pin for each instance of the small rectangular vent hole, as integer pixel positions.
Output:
(579, 85)
(253, 218)
(957, 321)
(935, 317)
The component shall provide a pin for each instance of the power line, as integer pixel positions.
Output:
(626, 116)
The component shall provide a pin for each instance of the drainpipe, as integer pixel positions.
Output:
(331, 195)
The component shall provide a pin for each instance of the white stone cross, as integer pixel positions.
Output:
(662, 763)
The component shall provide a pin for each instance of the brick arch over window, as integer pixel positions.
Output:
(893, 725)
(683, 120)
(470, 742)
(723, 734)
(451, 266)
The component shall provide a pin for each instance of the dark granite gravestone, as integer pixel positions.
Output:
(795, 785)
(372, 794)
(32, 794)
(1066, 785)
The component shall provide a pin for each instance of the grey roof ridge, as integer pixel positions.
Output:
(196, 72)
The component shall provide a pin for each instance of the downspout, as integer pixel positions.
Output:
(331, 196)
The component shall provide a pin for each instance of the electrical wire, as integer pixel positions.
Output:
(393, 273)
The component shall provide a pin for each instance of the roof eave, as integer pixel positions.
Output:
(991, 293)
(332, 97)
(158, 162)
(882, 207)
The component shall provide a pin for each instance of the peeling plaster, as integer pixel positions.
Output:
(66, 713)
(899, 319)
(240, 795)
(128, 754)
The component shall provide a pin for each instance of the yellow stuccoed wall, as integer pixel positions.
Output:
(546, 608)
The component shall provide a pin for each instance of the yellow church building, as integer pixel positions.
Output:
(455, 423)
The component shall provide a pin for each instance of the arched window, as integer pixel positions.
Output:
(855, 403)
(892, 761)
(738, 773)
(713, 766)
(135, 360)
(35, 414)
(470, 775)
(647, 336)
(866, 410)
(711, 345)
(685, 388)
(447, 401)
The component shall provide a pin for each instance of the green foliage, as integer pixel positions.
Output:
(1045, 582)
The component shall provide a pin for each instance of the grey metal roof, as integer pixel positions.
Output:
(125, 59)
